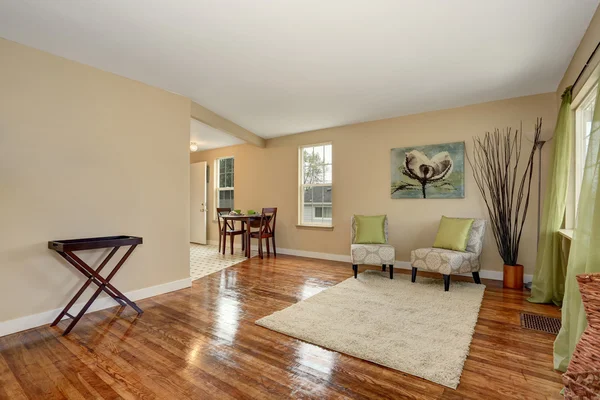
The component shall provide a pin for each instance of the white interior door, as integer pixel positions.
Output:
(198, 209)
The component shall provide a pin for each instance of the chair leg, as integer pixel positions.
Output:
(413, 277)
(476, 278)
(274, 248)
(243, 242)
(446, 283)
(224, 243)
(391, 271)
(268, 246)
(355, 269)
(231, 243)
(260, 250)
(383, 267)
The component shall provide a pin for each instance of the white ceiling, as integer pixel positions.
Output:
(207, 137)
(280, 67)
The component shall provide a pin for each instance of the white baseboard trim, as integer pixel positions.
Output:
(486, 274)
(46, 317)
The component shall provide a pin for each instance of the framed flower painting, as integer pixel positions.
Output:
(428, 172)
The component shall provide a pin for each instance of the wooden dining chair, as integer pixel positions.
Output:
(227, 228)
(268, 220)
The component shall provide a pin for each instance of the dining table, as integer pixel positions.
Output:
(245, 220)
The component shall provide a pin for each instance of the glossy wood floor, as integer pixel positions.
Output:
(201, 343)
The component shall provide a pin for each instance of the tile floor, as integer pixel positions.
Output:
(206, 259)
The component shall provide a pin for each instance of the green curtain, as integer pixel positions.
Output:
(550, 267)
(585, 250)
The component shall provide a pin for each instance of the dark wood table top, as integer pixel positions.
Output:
(241, 217)
(94, 243)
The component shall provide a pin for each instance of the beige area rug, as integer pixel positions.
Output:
(416, 328)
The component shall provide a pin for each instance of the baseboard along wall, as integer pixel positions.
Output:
(485, 274)
(46, 317)
(35, 320)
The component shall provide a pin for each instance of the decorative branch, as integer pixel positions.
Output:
(506, 193)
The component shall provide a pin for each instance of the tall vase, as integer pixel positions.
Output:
(513, 276)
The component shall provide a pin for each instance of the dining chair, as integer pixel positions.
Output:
(266, 225)
(227, 228)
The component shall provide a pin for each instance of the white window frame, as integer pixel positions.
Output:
(580, 145)
(219, 189)
(302, 186)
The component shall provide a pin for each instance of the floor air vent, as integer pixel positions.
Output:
(540, 323)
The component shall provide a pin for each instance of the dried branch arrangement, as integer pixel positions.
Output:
(505, 185)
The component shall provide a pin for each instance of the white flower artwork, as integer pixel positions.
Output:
(428, 172)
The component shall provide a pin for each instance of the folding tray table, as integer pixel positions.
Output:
(66, 249)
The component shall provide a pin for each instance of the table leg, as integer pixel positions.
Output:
(224, 237)
(105, 281)
(74, 263)
(248, 241)
(85, 285)
(103, 285)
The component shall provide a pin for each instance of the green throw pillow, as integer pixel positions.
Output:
(453, 233)
(370, 229)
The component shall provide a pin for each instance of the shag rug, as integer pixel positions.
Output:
(416, 328)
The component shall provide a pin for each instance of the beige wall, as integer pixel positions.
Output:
(361, 175)
(583, 52)
(216, 121)
(86, 153)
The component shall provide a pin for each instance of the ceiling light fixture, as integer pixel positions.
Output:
(193, 146)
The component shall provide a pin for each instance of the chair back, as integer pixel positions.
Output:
(353, 229)
(268, 220)
(220, 212)
(475, 244)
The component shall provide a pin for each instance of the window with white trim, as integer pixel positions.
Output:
(224, 171)
(584, 116)
(315, 200)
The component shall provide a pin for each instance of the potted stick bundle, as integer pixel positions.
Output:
(505, 184)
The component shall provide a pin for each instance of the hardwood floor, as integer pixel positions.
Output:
(201, 343)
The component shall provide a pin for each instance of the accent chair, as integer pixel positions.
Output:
(372, 254)
(450, 262)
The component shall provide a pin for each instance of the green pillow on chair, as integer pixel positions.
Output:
(453, 233)
(370, 229)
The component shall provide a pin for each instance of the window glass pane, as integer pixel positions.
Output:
(327, 154)
(226, 198)
(327, 174)
(319, 154)
(313, 167)
(225, 172)
(317, 205)
(588, 116)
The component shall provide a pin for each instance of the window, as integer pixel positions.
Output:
(584, 115)
(224, 182)
(315, 206)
